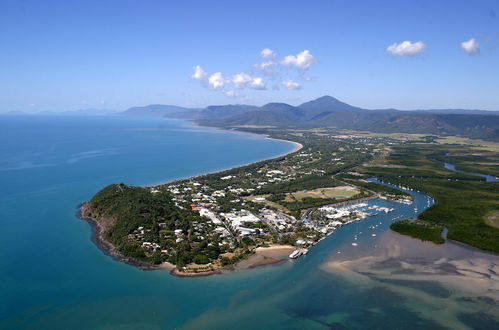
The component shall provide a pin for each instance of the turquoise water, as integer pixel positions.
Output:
(52, 276)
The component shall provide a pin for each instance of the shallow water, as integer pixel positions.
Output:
(53, 276)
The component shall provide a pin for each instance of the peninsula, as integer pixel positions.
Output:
(210, 223)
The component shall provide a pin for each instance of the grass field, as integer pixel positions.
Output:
(472, 143)
(396, 136)
(335, 192)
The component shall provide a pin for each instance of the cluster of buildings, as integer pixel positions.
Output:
(234, 204)
(328, 218)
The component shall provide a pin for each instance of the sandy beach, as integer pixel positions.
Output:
(266, 256)
(297, 147)
(262, 256)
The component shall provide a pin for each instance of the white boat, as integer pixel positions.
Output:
(295, 254)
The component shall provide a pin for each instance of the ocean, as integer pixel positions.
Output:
(52, 276)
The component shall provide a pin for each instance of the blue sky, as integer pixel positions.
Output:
(66, 55)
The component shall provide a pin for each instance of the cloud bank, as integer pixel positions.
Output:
(274, 72)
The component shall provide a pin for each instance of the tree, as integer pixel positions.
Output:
(201, 259)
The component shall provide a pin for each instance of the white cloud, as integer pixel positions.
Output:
(273, 67)
(216, 81)
(265, 53)
(269, 73)
(243, 80)
(290, 84)
(301, 60)
(471, 46)
(199, 73)
(257, 83)
(267, 67)
(406, 48)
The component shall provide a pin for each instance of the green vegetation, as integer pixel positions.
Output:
(306, 203)
(338, 192)
(425, 230)
(462, 201)
(330, 112)
(374, 187)
(194, 224)
(472, 143)
(213, 221)
(493, 219)
(138, 215)
(473, 162)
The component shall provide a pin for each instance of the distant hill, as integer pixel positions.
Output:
(327, 104)
(458, 111)
(161, 110)
(172, 111)
(328, 111)
(224, 111)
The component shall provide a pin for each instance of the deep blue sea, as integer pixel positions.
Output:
(53, 277)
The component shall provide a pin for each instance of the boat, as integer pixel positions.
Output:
(295, 254)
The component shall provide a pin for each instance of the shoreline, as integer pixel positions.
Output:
(97, 228)
(298, 146)
(97, 231)
(262, 256)
(253, 261)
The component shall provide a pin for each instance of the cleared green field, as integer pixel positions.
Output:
(335, 192)
(396, 136)
(474, 144)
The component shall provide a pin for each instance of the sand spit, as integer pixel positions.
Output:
(266, 256)
(461, 280)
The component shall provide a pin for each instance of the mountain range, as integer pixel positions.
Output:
(328, 111)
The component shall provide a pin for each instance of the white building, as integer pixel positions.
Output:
(210, 215)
